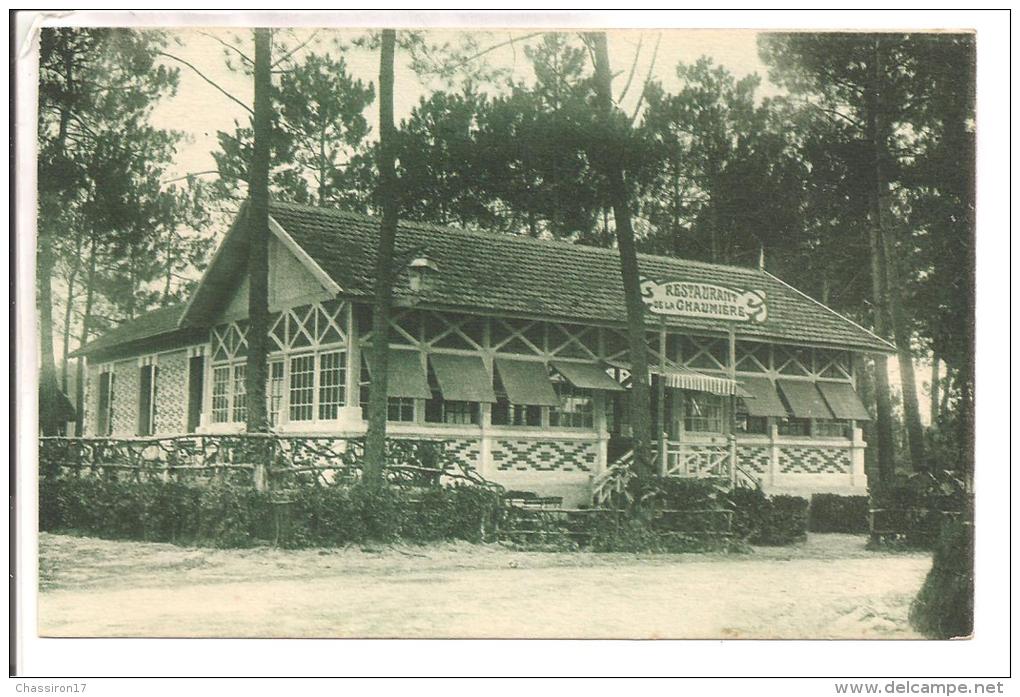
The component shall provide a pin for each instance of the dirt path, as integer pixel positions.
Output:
(830, 587)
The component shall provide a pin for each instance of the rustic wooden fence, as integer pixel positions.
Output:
(271, 462)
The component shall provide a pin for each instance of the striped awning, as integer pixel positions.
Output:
(687, 379)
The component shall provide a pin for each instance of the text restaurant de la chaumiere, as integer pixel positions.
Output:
(511, 350)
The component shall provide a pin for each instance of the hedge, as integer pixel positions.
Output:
(221, 514)
(768, 520)
(836, 513)
(218, 514)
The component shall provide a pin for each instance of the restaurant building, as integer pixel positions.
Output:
(510, 350)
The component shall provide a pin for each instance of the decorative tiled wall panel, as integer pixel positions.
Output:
(754, 457)
(125, 398)
(90, 408)
(464, 450)
(171, 393)
(544, 456)
(817, 460)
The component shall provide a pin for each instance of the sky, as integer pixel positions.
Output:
(200, 110)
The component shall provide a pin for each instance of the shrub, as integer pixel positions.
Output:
(913, 509)
(835, 513)
(329, 516)
(638, 534)
(675, 493)
(944, 607)
(221, 515)
(773, 521)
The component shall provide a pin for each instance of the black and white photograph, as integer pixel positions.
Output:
(362, 330)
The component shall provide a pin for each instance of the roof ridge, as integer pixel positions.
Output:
(826, 307)
(503, 236)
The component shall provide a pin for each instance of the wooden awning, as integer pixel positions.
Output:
(406, 374)
(762, 398)
(526, 382)
(804, 399)
(844, 402)
(462, 378)
(588, 376)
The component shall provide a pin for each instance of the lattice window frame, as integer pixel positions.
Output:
(703, 346)
(785, 355)
(760, 355)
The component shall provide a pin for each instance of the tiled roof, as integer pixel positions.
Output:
(514, 274)
(522, 275)
(152, 324)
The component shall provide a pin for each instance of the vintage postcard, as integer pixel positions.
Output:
(374, 330)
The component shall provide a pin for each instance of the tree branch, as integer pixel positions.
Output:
(633, 67)
(201, 75)
(235, 49)
(648, 78)
(510, 42)
(296, 49)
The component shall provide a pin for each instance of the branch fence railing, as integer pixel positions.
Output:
(268, 462)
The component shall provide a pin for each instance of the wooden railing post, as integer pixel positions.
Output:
(733, 460)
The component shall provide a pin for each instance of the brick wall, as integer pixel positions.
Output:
(172, 393)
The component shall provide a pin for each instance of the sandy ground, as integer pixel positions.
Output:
(830, 587)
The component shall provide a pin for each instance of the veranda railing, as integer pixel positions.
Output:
(266, 461)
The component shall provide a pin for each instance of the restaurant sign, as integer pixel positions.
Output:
(692, 299)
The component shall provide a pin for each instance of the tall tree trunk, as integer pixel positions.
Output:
(936, 386)
(889, 260)
(168, 251)
(65, 349)
(49, 416)
(258, 235)
(375, 441)
(83, 338)
(640, 404)
(962, 182)
(883, 404)
(908, 378)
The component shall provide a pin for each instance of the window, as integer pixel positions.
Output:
(397, 408)
(703, 412)
(400, 409)
(302, 387)
(221, 394)
(438, 410)
(829, 428)
(331, 384)
(576, 409)
(795, 427)
(506, 414)
(745, 423)
(274, 395)
(239, 413)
